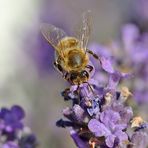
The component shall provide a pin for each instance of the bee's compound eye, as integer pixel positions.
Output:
(84, 73)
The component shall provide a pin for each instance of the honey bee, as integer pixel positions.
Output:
(71, 53)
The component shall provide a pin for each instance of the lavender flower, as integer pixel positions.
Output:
(140, 12)
(111, 131)
(11, 119)
(79, 142)
(98, 116)
(13, 133)
(139, 139)
(10, 145)
(134, 46)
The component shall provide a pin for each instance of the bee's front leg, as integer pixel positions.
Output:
(90, 68)
(58, 67)
(61, 70)
(66, 76)
(93, 54)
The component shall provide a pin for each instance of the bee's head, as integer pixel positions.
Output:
(79, 77)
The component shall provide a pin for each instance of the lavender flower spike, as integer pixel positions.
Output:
(78, 141)
(13, 132)
(98, 116)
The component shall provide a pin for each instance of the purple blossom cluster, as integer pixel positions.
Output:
(13, 132)
(134, 46)
(99, 115)
(129, 54)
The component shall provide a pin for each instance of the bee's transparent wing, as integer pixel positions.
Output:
(83, 30)
(52, 34)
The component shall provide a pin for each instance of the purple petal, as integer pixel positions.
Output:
(98, 128)
(122, 136)
(141, 96)
(114, 80)
(73, 88)
(140, 139)
(109, 116)
(130, 34)
(18, 111)
(85, 92)
(68, 113)
(12, 122)
(3, 112)
(79, 112)
(126, 113)
(106, 64)
(140, 53)
(10, 145)
(10, 118)
(120, 127)
(110, 140)
(9, 129)
(2, 125)
(79, 142)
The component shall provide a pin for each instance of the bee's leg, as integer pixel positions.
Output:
(58, 67)
(78, 94)
(90, 68)
(66, 76)
(78, 88)
(90, 87)
(93, 54)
